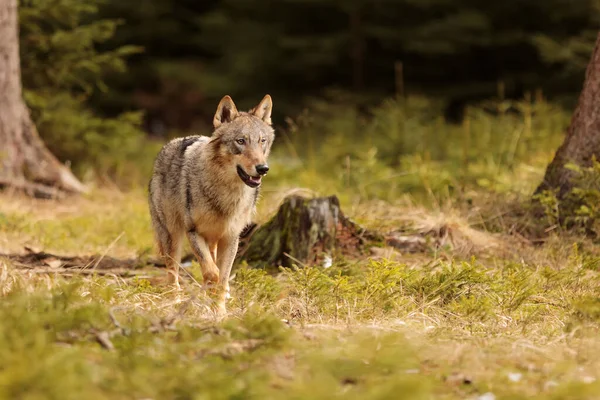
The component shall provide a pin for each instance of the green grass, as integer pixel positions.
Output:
(411, 329)
(374, 330)
(104, 220)
(481, 310)
(404, 146)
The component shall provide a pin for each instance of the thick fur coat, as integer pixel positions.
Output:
(206, 188)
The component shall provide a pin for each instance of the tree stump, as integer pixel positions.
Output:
(303, 232)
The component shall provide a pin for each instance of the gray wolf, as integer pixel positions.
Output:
(206, 188)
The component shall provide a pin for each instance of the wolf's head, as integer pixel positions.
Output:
(244, 138)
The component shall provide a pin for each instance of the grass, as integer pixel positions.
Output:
(481, 313)
(446, 324)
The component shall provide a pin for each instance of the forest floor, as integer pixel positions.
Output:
(476, 313)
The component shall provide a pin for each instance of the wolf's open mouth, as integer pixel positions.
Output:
(252, 181)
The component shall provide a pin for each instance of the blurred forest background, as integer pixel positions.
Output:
(381, 81)
(432, 121)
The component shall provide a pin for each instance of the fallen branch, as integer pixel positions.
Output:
(123, 273)
(32, 189)
(78, 264)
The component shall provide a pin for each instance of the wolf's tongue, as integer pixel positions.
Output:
(255, 179)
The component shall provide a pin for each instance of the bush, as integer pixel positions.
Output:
(405, 145)
(61, 67)
(579, 207)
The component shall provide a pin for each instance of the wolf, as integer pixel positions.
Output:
(206, 188)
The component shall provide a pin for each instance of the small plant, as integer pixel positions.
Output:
(311, 287)
(254, 287)
(342, 293)
(583, 200)
(578, 209)
(550, 205)
(585, 314)
(381, 287)
(141, 285)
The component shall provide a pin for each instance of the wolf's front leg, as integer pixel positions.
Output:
(210, 272)
(227, 251)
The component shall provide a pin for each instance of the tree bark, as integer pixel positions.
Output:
(25, 162)
(304, 232)
(582, 142)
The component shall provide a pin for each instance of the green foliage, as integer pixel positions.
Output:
(579, 208)
(50, 351)
(570, 49)
(32, 325)
(407, 146)
(61, 38)
(587, 309)
(52, 336)
(584, 198)
(368, 366)
(297, 49)
(419, 328)
(311, 287)
(63, 65)
(74, 75)
(288, 46)
(374, 290)
(123, 223)
(550, 204)
(254, 286)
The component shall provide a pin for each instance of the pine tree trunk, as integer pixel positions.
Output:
(582, 142)
(25, 162)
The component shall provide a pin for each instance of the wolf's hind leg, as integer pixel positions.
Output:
(174, 259)
(172, 256)
(210, 272)
(169, 246)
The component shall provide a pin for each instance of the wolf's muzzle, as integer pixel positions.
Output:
(262, 169)
(252, 181)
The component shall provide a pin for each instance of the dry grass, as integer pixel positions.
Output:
(77, 225)
(454, 322)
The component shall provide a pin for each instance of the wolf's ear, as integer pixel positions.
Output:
(226, 112)
(263, 109)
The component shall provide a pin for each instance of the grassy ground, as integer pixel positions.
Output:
(482, 313)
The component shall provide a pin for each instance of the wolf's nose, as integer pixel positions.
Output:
(262, 169)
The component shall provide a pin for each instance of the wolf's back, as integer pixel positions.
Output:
(167, 173)
(164, 187)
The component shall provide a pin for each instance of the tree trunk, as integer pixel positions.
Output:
(25, 162)
(582, 142)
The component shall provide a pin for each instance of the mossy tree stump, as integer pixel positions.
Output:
(303, 232)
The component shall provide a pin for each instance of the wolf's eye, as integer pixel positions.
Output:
(240, 141)
(263, 140)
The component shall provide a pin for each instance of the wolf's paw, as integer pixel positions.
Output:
(220, 309)
(211, 276)
(220, 296)
(173, 279)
